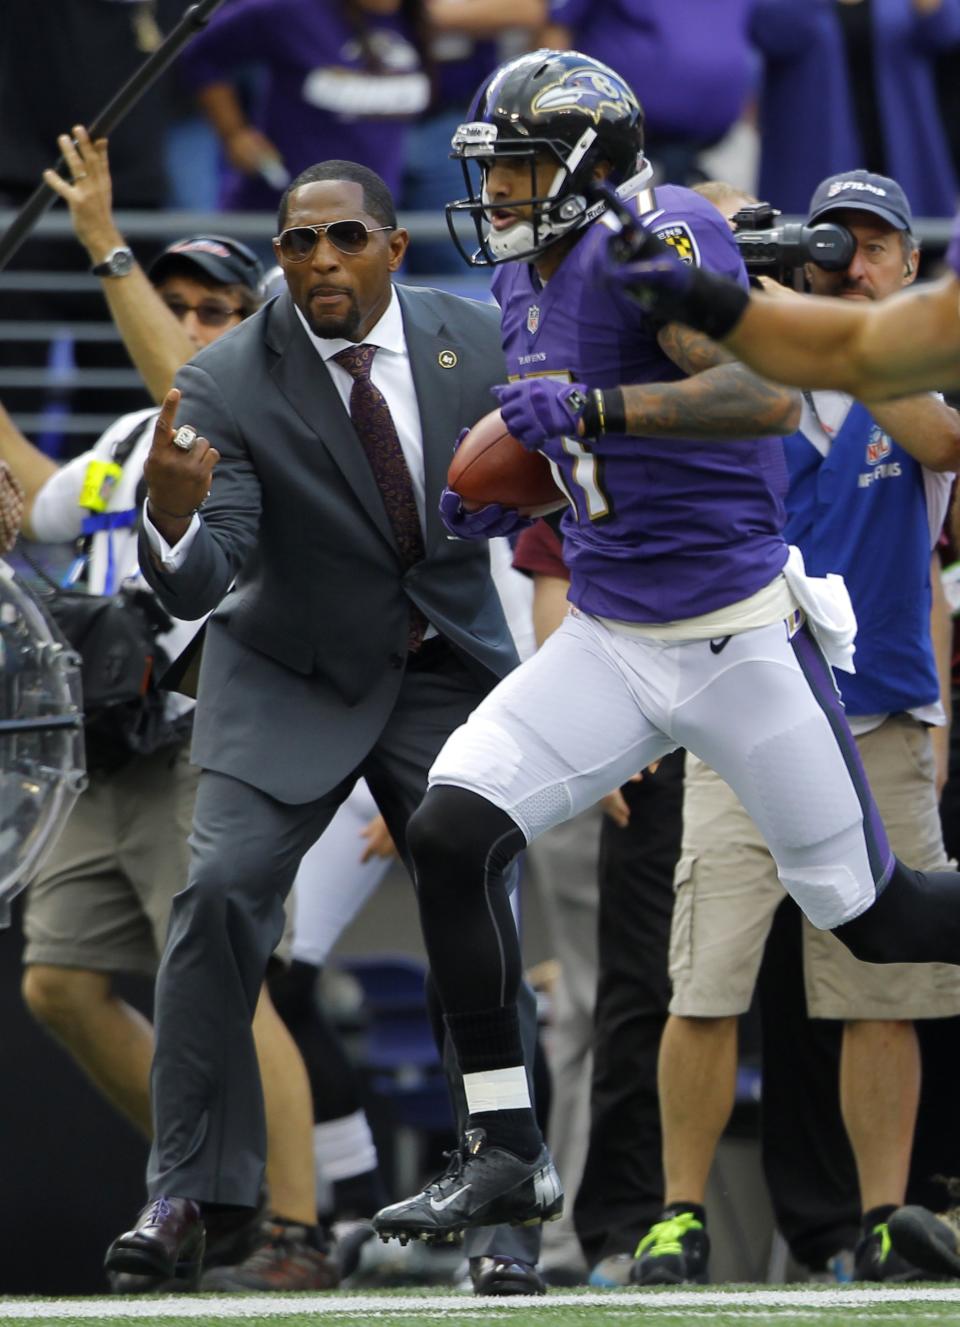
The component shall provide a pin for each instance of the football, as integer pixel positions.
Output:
(490, 465)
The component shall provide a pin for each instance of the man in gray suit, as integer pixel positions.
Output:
(350, 636)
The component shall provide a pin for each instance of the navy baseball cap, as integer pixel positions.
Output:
(862, 191)
(225, 260)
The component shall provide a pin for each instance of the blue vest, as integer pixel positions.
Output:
(861, 511)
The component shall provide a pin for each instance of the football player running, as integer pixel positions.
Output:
(873, 351)
(692, 624)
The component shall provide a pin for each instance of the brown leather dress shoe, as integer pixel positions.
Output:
(167, 1240)
(232, 1234)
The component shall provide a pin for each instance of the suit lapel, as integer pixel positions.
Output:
(439, 395)
(305, 382)
(437, 362)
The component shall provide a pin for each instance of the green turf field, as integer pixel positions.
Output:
(809, 1306)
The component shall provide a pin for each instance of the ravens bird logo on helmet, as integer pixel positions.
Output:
(559, 107)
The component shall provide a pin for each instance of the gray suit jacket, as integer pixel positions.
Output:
(303, 660)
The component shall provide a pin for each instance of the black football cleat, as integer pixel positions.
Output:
(349, 1238)
(493, 1275)
(875, 1259)
(674, 1252)
(482, 1186)
(929, 1240)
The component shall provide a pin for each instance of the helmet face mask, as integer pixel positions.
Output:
(547, 108)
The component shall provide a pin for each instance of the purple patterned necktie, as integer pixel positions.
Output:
(378, 434)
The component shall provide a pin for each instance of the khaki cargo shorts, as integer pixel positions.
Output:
(102, 900)
(727, 891)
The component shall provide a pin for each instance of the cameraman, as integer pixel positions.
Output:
(101, 902)
(867, 497)
(875, 353)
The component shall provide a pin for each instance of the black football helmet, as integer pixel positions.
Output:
(555, 104)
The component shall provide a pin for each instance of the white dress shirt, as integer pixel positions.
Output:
(390, 373)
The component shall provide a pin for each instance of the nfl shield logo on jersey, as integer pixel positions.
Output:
(533, 318)
(879, 447)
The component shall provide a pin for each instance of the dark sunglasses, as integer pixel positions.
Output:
(298, 243)
(210, 312)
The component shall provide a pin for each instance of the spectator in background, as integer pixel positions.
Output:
(191, 148)
(101, 901)
(54, 73)
(692, 70)
(869, 507)
(851, 83)
(464, 47)
(343, 77)
(808, 1164)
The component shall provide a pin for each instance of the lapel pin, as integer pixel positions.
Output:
(447, 359)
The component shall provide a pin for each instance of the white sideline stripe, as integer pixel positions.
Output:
(252, 1306)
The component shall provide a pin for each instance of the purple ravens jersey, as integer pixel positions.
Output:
(659, 528)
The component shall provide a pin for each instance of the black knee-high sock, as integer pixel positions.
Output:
(334, 1083)
(461, 844)
(333, 1079)
(915, 919)
(519, 1130)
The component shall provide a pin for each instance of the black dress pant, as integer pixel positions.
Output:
(621, 1193)
(807, 1159)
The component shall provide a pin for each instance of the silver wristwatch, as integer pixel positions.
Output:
(118, 262)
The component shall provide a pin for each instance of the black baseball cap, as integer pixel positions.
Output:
(227, 261)
(862, 191)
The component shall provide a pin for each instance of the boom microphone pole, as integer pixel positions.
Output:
(196, 17)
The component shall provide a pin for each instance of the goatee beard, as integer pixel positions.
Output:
(340, 329)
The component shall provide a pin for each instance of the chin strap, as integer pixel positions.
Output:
(640, 186)
(518, 242)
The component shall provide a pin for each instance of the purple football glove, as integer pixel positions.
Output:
(953, 253)
(486, 523)
(536, 409)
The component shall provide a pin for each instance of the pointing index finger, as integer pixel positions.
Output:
(168, 413)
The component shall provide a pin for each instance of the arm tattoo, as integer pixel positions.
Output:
(691, 351)
(720, 398)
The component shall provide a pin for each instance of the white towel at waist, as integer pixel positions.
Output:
(825, 601)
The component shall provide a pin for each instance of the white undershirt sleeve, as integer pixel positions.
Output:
(171, 558)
